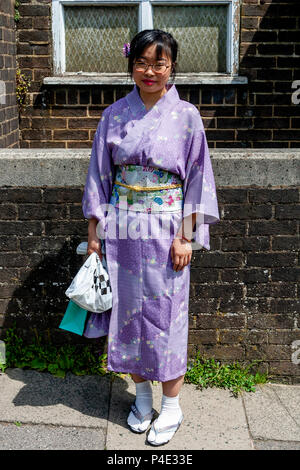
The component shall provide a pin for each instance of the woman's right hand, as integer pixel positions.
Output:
(94, 244)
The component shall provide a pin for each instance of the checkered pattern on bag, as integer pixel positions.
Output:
(101, 282)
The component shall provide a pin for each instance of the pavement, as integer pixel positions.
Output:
(41, 412)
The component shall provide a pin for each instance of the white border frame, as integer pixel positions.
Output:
(145, 22)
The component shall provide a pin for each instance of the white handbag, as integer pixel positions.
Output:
(90, 288)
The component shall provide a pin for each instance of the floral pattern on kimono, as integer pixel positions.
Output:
(147, 326)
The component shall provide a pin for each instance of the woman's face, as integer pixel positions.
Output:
(148, 81)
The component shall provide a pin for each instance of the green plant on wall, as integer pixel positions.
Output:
(17, 14)
(22, 87)
(43, 356)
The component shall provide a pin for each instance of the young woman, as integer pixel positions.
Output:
(150, 151)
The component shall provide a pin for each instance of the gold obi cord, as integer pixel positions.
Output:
(149, 188)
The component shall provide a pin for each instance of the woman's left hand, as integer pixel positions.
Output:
(181, 253)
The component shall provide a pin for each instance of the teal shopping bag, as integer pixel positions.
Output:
(74, 319)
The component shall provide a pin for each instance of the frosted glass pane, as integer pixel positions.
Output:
(200, 32)
(94, 37)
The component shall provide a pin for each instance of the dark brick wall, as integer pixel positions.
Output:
(257, 115)
(244, 299)
(40, 229)
(9, 119)
(244, 294)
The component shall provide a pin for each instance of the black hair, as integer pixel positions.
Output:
(164, 42)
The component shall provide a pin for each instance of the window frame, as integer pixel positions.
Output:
(145, 18)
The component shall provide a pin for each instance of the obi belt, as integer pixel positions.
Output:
(147, 189)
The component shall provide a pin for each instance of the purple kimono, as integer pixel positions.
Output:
(147, 326)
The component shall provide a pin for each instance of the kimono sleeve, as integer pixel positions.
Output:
(99, 181)
(200, 191)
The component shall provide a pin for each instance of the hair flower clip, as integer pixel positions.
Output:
(126, 49)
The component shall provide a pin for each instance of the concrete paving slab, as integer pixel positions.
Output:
(41, 437)
(276, 445)
(213, 419)
(90, 412)
(32, 397)
(289, 395)
(267, 416)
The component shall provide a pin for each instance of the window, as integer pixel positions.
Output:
(88, 35)
(195, 26)
(94, 37)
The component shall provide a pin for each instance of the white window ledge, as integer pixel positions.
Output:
(123, 79)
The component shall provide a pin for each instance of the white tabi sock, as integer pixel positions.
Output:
(170, 414)
(144, 403)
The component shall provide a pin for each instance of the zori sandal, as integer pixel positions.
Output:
(163, 429)
(144, 421)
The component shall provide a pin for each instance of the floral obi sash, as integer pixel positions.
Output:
(140, 188)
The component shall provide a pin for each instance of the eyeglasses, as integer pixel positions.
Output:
(157, 68)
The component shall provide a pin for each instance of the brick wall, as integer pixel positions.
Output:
(9, 119)
(244, 292)
(259, 114)
(244, 299)
(40, 229)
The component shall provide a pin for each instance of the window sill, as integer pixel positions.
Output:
(122, 79)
